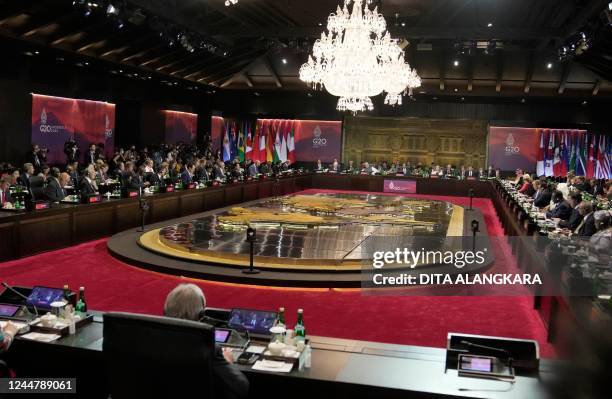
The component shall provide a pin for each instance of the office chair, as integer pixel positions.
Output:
(37, 188)
(158, 357)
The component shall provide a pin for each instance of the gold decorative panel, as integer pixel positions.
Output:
(442, 141)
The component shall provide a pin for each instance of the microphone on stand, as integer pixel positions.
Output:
(13, 290)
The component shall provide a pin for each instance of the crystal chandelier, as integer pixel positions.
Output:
(358, 59)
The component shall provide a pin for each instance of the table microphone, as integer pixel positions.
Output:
(8, 287)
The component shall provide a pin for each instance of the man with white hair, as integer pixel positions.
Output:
(187, 301)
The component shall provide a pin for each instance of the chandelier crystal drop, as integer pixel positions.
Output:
(357, 59)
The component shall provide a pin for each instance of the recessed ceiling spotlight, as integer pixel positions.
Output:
(284, 60)
(86, 63)
(490, 25)
(422, 92)
(320, 24)
(523, 100)
(549, 65)
(456, 63)
(462, 98)
(435, 98)
(403, 23)
(309, 94)
(456, 90)
(257, 94)
(584, 103)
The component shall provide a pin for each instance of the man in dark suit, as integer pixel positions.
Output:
(187, 301)
(5, 194)
(129, 178)
(91, 156)
(24, 178)
(219, 171)
(542, 196)
(88, 185)
(187, 175)
(33, 156)
(562, 209)
(55, 185)
(253, 169)
(158, 178)
(575, 217)
(586, 228)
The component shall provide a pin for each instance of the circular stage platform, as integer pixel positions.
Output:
(320, 240)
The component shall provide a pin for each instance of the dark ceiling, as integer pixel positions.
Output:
(260, 44)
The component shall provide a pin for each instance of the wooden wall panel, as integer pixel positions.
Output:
(7, 242)
(442, 141)
(93, 223)
(44, 234)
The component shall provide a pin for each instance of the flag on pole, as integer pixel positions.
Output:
(548, 164)
(602, 169)
(248, 151)
(262, 144)
(572, 152)
(283, 146)
(226, 144)
(541, 155)
(590, 166)
(557, 154)
(291, 146)
(277, 147)
(270, 144)
(240, 144)
(581, 143)
(565, 153)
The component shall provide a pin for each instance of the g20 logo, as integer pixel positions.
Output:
(318, 141)
(510, 148)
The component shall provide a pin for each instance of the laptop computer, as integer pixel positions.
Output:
(256, 322)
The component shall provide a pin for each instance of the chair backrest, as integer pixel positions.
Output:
(151, 356)
(37, 185)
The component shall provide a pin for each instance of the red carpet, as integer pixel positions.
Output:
(113, 285)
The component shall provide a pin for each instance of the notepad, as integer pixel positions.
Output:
(273, 366)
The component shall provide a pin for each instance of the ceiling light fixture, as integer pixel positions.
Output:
(357, 59)
(230, 2)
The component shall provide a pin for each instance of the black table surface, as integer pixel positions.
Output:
(340, 361)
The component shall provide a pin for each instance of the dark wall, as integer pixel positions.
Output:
(139, 120)
(549, 112)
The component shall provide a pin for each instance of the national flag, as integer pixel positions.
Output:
(226, 144)
(581, 159)
(602, 169)
(565, 143)
(548, 163)
(240, 144)
(248, 151)
(572, 153)
(283, 146)
(590, 166)
(277, 147)
(269, 144)
(291, 146)
(262, 143)
(557, 157)
(541, 155)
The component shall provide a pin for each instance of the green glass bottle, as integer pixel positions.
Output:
(280, 321)
(300, 329)
(81, 305)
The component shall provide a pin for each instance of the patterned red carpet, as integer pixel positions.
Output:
(412, 320)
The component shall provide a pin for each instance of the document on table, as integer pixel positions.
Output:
(274, 366)
(41, 337)
(256, 349)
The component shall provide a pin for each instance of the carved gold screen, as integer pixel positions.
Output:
(442, 141)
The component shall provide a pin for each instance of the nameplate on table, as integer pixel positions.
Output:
(399, 186)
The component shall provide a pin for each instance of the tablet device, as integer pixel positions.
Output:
(222, 335)
(43, 297)
(252, 320)
(7, 310)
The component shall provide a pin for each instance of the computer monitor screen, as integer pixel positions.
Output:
(221, 336)
(7, 310)
(43, 297)
(254, 321)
